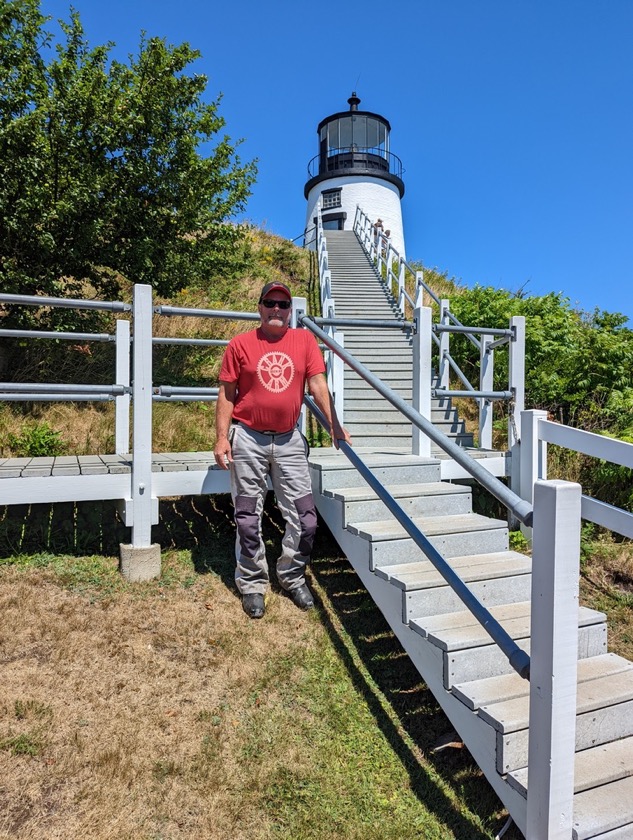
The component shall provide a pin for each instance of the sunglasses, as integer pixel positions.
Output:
(271, 304)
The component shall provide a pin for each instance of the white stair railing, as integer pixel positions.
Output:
(334, 365)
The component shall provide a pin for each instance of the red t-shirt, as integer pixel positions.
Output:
(271, 377)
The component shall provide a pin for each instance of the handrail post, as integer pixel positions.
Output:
(122, 401)
(141, 559)
(533, 458)
(338, 379)
(444, 368)
(486, 383)
(421, 444)
(299, 309)
(554, 660)
(418, 300)
(516, 370)
(401, 286)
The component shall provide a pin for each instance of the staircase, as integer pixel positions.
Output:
(359, 292)
(485, 700)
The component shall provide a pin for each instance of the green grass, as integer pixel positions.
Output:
(333, 737)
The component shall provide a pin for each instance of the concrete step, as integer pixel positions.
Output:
(485, 692)
(335, 471)
(379, 428)
(501, 577)
(357, 386)
(593, 768)
(604, 713)
(607, 809)
(396, 439)
(379, 422)
(386, 365)
(381, 411)
(430, 498)
(395, 377)
(468, 652)
(401, 440)
(452, 536)
(397, 350)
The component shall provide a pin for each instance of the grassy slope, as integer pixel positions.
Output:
(160, 711)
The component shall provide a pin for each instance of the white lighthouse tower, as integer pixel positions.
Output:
(355, 167)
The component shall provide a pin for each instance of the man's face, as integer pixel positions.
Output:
(274, 319)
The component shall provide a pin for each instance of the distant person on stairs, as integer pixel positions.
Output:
(262, 382)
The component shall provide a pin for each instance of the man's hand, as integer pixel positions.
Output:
(340, 433)
(223, 414)
(222, 452)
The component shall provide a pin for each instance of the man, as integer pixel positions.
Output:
(262, 382)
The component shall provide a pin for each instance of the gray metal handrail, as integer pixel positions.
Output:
(66, 303)
(518, 658)
(363, 322)
(191, 342)
(486, 395)
(190, 312)
(440, 328)
(56, 397)
(40, 387)
(521, 509)
(66, 336)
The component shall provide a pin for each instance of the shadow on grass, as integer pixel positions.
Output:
(380, 668)
(411, 719)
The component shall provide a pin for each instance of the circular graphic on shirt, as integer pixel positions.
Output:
(275, 371)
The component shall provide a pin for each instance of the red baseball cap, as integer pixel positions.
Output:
(275, 287)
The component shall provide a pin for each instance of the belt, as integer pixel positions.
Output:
(264, 431)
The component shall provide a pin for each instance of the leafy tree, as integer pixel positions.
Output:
(106, 168)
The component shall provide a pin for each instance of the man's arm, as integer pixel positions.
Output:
(317, 386)
(223, 414)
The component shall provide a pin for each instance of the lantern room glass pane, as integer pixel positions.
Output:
(345, 139)
(359, 132)
(372, 133)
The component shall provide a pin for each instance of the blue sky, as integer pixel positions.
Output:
(513, 120)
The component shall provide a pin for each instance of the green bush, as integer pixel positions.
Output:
(36, 439)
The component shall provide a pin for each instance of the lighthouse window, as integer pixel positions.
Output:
(331, 198)
(345, 136)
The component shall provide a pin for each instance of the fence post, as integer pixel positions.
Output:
(533, 458)
(554, 660)
(122, 402)
(486, 382)
(444, 368)
(517, 386)
(421, 444)
(141, 559)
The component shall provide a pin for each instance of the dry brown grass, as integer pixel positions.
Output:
(133, 709)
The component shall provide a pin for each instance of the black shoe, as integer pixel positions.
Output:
(301, 597)
(253, 605)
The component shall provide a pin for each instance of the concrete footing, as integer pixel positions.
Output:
(139, 564)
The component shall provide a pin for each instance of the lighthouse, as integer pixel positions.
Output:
(355, 167)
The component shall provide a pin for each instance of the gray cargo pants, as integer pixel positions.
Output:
(256, 456)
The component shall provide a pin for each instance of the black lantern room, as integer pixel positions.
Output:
(354, 143)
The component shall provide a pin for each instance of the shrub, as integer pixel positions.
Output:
(36, 439)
